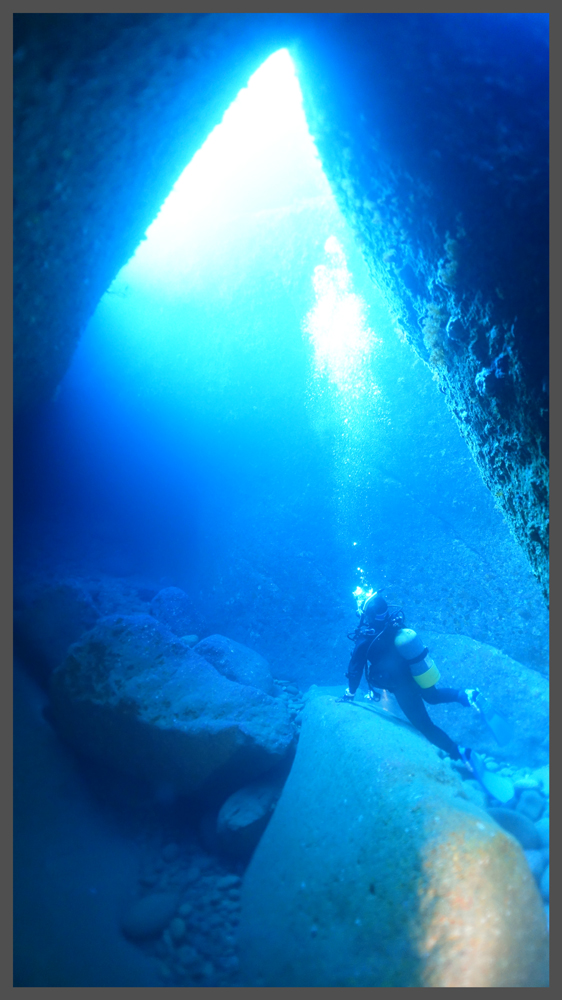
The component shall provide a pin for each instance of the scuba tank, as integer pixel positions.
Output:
(412, 649)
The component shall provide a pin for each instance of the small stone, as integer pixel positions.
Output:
(292, 689)
(149, 879)
(190, 640)
(185, 909)
(228, 881)
(545, 884)
(542, 775)
(147, 917)
(191, 875)
(531, 804)
(526, 781)
(177, 929)
(543, 827)
(492, 765)
(187, 955)
(537, 861)
(170, 852)
(229, 962)
(208, 970)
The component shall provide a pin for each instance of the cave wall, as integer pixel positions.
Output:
(433, 134)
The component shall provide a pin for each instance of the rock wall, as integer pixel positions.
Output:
(433, 133)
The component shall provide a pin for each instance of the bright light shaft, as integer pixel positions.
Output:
(261, 156)
(336, 325)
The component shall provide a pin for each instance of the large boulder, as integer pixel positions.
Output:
(133, 695)
(518, 692)
(375, 870)
(237, 662)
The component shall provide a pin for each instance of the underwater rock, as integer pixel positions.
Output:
(245, 815)
(174, 608)
(543, 827)
(44, 629)
(545, 884)
(237, 662)
(374, 871)
(147, 917)
(518, 692)
(531, 804)
(132, 695)
(537, 861)
(518, 825)
(542, 775)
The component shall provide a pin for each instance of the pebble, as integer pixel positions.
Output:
(170, 852)
(543, 827)
(185, 909)
(177, 929)
(187, 955)
(492, 765)
(526, 781)
(165, 972)
(545, 884)
(147, 917)
(518, 825)
(149, 879)
(229, 882)
(191, 875)
(531, 804)
(542, 775)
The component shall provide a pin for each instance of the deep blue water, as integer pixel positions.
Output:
(212, 434)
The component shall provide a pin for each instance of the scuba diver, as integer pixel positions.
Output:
(395, 659)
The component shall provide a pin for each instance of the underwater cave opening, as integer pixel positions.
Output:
(241, 420)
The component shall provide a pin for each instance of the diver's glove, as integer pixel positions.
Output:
(469, 697)
(348, 696)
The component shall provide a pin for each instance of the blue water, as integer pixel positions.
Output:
(213, 434)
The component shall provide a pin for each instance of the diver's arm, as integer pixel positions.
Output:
(356, 665)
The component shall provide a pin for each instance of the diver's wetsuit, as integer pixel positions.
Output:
(390, 671)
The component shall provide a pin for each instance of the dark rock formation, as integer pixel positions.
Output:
(133, 696)
(375, 871)
(433, 130)
(45, 628)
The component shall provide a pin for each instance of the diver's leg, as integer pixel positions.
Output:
(438, 696)
(409, 699)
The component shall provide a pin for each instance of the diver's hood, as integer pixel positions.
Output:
(375, 609)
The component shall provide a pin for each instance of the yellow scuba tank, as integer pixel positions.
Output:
(422, 667)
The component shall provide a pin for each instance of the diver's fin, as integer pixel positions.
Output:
(496, 785)
(498, 724)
